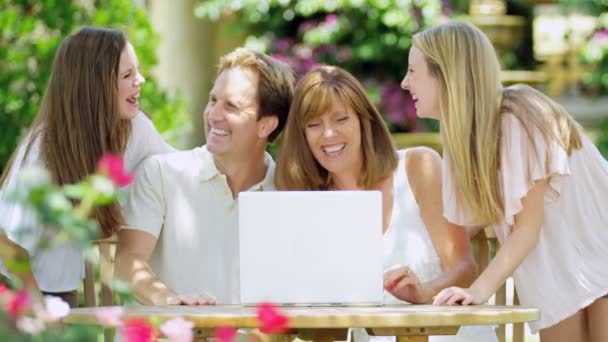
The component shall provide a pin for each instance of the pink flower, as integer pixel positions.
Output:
(3, 289)
(331, 19)
(271, 320)
(54, 309)
(112, 166)
(18, 304)
(178, 330)
(137, 330)
(225, 334)
(109, 316)
(600, 36)
(30, 325)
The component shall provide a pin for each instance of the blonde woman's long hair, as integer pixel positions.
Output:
(297, 168)
(472, 102)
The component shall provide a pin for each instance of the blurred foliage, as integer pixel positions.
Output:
(595, 53)
(65, 211)
(31, 31)
(370, 39)
(602, 138)
(590, 6)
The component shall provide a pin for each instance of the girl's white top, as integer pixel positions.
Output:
(567, 270)
(407, 242)
(60, 268)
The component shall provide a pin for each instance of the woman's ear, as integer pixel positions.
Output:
(267, 125)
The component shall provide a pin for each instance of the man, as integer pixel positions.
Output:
(180, 243)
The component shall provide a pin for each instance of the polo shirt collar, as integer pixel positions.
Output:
(207, 164)
(209, 170)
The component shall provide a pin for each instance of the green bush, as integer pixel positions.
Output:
(31, 31)
(595, 53)
(371, 39)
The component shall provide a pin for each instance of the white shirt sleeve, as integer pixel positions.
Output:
(17, 220)
(145, 141)
(144, 207)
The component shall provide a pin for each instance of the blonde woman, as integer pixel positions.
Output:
(336, 140)
(514, 159)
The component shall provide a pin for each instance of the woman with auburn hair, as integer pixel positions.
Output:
(514, 159)
(90, 108)
(335, 139)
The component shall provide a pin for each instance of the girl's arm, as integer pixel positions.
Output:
(451, 242)
(524, 237)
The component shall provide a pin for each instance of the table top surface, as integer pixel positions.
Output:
(386, 316)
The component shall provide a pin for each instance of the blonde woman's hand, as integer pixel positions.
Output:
(457, 295)
(402, 282)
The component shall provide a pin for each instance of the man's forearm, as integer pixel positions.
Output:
(147, 288)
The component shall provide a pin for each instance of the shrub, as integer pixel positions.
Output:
(31, 31)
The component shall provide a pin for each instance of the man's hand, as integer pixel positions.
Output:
(190, 299)
(402, 282)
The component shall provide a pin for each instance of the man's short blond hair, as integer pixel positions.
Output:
(275, 87)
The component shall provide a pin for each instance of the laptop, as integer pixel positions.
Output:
(311, 248)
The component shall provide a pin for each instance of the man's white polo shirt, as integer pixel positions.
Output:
(183, 200)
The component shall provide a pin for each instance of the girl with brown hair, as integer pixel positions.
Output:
(90, 108)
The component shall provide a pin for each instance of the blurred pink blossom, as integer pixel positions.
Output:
(272, 321)
(282, 45)
(30, 325)
(600, 36)
(178, 330)
(53, 310)
(331, 19)
(137, 330)
(225, 334)
(18, 304)
(308, 25)
(109, 316)
(398, 105)
(112, 166)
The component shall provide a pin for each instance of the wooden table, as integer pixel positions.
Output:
(407, 322)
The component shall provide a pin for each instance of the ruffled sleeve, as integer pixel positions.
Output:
(520, 166)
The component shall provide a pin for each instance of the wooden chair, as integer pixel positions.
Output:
(430, 139)
(484, 243)
(105, 248)
(105, 266)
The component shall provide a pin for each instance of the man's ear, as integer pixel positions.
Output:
(267, 125)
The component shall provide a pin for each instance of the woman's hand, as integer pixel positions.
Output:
(190, 299)
(402, 282)
(458, 295)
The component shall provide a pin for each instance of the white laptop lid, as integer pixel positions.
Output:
(311, 247)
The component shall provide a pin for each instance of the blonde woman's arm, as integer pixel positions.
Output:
(522, 240)
(451, 242)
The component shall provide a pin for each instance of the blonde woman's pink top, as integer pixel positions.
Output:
(568, 268)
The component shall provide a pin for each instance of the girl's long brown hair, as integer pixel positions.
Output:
(78, 119)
